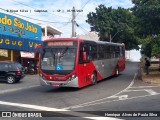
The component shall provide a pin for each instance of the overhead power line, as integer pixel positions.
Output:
(64, 24)
(34, 18)
(81, 27)
(36, 8)
(83, 6)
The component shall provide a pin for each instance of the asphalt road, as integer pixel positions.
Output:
(122, 93)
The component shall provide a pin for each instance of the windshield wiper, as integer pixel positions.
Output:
(54, 56)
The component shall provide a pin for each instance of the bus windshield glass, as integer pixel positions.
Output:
(58, 59)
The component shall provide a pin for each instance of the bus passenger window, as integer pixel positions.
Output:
(93, 52)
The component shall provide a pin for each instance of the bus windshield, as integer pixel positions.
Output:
(58, 59)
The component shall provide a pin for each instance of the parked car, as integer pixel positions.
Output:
(11, 72)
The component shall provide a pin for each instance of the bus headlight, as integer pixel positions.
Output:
(72, 77)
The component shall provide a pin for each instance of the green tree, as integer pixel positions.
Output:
(114, 24)
(148, 17)
(156, 47)
(146, 46)
(147, 14)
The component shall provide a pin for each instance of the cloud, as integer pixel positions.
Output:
(63, 6)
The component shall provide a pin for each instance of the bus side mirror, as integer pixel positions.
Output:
(84, 56)
(37, 46)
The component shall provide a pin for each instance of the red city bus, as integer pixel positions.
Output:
(73, 62)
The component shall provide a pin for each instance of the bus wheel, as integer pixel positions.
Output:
(94, 78)
(117, 72)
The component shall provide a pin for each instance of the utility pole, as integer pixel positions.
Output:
(110, 38)
(73, 22)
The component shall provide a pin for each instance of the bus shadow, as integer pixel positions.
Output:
(62, 89)
(109, 78)
(72, 89)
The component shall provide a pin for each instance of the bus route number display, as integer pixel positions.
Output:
(69, 43)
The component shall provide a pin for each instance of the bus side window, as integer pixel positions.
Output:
(117, 51)
(121, 51)
(101, 52)
(93, 52)
(107, 52)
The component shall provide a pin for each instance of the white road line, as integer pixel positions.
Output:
(16, 89)
(112, 96)
(151, 92)
(134, 90)
(145, 86)
(123, 97)
(113, 101)
(63, 111)
(127, 87)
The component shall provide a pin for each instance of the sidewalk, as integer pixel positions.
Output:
(29, 75)
(153, 77)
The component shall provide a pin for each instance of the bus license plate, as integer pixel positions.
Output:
(56, 85)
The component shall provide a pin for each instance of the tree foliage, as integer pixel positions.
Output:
(148, 16)
(151, 46)
(147, 28)
(115, 24)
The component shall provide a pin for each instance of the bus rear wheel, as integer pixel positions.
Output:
(94, 78)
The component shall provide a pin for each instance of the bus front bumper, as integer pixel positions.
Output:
(67, 83)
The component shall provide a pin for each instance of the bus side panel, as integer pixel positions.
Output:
(122, 60)
(121, 64)
(106, 67)
(85, 72)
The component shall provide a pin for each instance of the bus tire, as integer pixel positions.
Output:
(94, 78)
(117, 72)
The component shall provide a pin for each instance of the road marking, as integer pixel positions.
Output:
(16, 89)
(126, 87)
(134, 90)
(123, 97)
(112, 96)
(145, 86)
(111, 101)
(151, 92)
(63, 111)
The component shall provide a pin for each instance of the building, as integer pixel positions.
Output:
(49, 31)
(89, 36)
(18, 39)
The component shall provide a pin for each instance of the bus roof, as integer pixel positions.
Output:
(78, 39)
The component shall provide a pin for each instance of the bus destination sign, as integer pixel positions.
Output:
(63, 43)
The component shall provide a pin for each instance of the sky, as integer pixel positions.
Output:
(58, 14)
